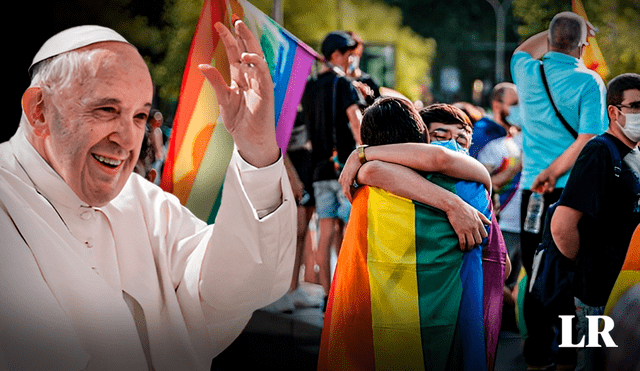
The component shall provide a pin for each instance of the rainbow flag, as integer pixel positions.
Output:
(592, 57)
(509, 188)
(404, 297)
(629, 274)
(200, 147)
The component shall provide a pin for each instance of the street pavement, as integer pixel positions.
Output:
(290, 341)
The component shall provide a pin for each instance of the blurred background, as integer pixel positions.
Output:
(429, 50)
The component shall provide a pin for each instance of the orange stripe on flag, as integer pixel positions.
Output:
(592, 57)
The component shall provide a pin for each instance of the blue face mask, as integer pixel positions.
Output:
(515, 116)
(452, 145)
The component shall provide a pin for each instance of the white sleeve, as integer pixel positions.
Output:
(491, 154)
(261, 184)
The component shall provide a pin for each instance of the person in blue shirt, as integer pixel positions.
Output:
(550, 150)
(503, 96)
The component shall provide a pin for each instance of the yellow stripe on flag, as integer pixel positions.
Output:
(592, 57)
(392, 275)
(211, 173)
(200, 128)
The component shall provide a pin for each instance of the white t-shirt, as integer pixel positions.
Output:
(498, 155)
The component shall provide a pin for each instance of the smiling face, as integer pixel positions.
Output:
(95, 126)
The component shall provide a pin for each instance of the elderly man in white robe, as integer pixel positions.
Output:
(100, 268)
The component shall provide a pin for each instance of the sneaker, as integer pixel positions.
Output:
(282, 305)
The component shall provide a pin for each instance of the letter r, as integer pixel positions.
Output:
(594, 331)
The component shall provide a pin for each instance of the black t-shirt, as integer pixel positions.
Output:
(324, 103)
(367, 79)
(610, 215)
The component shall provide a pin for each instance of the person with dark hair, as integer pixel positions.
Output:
(596, 199)
(551, 145)
(331, 110)
(447, 122)
(403, 258)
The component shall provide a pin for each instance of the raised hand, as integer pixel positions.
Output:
(247, 105)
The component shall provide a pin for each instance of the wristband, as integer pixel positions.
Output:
(361, 154)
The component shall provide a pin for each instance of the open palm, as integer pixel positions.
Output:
(247, 104)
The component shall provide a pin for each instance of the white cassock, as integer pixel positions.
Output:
(140, 283)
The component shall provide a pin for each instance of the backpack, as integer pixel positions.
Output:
(552, 272)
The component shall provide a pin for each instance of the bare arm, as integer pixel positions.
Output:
(421, 157)
(355, 119)
(564, 229)
(536, 46)
(467, 222)
(546, 180)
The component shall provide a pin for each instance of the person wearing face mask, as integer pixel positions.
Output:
(550, 149)
(503, 96)
(595, 200)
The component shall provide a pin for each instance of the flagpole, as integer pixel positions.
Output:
(277, 13)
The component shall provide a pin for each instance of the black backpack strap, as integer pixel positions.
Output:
(615, 154)
(546, 87)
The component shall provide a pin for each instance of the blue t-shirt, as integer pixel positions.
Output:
(579, 94)
(484, 131)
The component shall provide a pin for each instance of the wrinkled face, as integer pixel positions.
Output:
(96, 126)
(439, 131)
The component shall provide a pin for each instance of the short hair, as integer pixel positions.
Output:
(619, 84)
(567, 31)
(446, 114)
(62, 71)
(500, 90)
(392, 120)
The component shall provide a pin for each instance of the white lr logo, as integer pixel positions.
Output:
(594, 331)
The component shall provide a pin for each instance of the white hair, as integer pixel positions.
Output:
(59, 73)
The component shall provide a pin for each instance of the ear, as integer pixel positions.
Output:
(33, 107)
(613, 112)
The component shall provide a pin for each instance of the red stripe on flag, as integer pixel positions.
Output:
(203, 46)
(347, 340)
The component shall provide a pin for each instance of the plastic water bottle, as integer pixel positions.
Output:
(533, 220)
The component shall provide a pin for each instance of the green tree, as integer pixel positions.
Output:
(618, 22)
(374, 20)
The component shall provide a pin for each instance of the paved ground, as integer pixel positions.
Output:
(290, 341)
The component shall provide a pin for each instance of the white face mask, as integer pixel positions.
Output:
(631, 128)
(515, 116)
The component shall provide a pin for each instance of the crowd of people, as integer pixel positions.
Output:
(526, 149)
(425, 208)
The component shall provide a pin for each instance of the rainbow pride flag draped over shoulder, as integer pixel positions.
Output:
(200, 147)
(404, 297)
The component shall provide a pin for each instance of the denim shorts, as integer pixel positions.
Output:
(330, 201)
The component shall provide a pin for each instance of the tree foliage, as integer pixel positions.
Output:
(618, 22)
